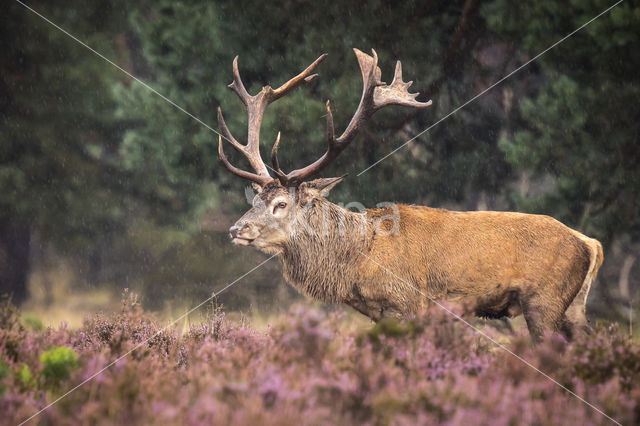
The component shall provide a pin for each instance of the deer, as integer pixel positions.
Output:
(394, 260)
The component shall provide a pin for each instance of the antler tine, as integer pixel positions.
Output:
(331, 131)
(397, 93)
(375, 95)
(274, 160)
(304, 77)
(333, 149)
(237, 85)
(227, 133)
(261, 180)
(371, 75)
(252, 149)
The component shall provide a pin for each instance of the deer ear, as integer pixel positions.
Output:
(324, 185)
(256, 187)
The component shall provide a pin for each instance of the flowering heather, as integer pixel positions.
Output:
(309, 367)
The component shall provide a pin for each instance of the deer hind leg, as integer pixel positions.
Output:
(541, 316)
(567, 327)
(576, 313)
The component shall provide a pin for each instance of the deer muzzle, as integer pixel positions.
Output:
(242, 234)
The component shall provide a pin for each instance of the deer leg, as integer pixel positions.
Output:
(374, 313)
(576, 313)
(567, 327)
(540, 315)
(574, 318)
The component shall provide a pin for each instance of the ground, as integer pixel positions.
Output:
(310, 367)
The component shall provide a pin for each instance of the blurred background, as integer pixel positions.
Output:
(106, 186)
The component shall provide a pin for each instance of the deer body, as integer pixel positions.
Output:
(502, 263)
(392, 261)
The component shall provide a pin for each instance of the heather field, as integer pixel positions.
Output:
(309, 367)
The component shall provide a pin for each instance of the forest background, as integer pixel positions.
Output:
(106, 186)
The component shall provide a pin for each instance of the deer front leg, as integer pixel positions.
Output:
(366, 309)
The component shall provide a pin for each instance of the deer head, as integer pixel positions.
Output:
(282, 199)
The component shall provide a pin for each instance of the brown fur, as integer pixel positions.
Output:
(503, 263)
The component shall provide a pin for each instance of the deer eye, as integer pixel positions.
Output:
(280, 205)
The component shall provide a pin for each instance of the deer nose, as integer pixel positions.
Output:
(235, 230)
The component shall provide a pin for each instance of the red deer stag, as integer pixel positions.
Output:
(383, 262)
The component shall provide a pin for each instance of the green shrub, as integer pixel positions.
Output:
(25, 377)
(392, 327)
(57, 363)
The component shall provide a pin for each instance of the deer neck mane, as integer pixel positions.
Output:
(322, 253)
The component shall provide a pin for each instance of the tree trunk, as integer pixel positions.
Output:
(15, 241)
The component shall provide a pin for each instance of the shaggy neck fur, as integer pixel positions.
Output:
(321, 258)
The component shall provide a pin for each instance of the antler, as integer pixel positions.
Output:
(256, 106)
(375, 95)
